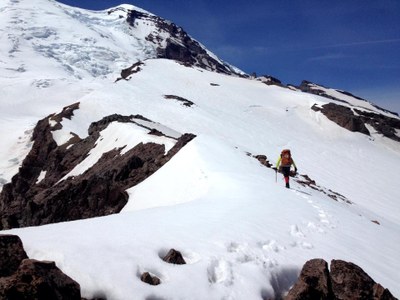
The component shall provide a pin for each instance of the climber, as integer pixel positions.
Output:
(284, 163)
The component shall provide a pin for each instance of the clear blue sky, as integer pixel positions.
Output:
(352, 45)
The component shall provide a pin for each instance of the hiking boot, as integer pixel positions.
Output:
(287, 185)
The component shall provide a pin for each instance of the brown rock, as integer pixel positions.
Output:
(174, 257)
(152, 280)
(345, 281)
(349, 281)
(35, 280)
(313, 283)
(344, 117)
(12, 253)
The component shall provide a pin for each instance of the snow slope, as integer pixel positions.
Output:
(243, 235)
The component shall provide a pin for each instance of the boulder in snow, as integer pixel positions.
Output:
(344, 281)
(24, 278)
(313, 283)
(148, 278)
(174, 257)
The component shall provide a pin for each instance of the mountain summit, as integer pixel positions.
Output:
(100, 42)
(141, 164)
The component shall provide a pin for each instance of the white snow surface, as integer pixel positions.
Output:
(243, 235)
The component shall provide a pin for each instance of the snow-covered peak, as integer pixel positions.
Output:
(127, 7)
(45, 37)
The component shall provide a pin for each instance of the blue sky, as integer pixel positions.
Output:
(352, 45)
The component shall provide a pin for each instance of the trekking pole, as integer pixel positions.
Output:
(276, 175)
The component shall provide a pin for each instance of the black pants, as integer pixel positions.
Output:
(285, 171)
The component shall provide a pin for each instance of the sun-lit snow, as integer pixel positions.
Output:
(242, 233)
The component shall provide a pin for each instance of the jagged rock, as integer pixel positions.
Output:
(97, 192)
(135, 68)
(39, 280)
(152, 280)
(313, 283)
(345, 281)
(353, 118)
(343, 116)
(311, 88)
(185, 102)
(12, 253)
(269, 80)
(23, 278)
(306, 181)
(263, 160)
(172, 42)
(349, 281)
(174, 257)
(382, 124)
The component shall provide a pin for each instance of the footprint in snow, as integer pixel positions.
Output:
(313, 227)
(273, 246)
(233, 247)
(220, 271)
(242, 252)
(296, 232)
(306, 245)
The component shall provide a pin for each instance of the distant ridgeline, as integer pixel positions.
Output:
(347, 110)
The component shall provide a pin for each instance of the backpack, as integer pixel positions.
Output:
(286, 157)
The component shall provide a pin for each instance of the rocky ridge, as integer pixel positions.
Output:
(29, 200)
(172, 42)
(345, 114)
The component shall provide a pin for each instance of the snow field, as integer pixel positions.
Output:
(243, 235)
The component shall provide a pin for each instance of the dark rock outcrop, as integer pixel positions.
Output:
(270, 80)
(39, 280)
(381, 123)
(135, 68)
(343, 116)
(184, 101)
(345, 281)
(172, 42)
(174, 257)
(313, 283)
(263, 160)
(12, 253)
(356, 120)
(97, 192)
(317, 89)
(306, 181)
(349, 281)
(152, 280)
(311, 88)
(24, 278)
